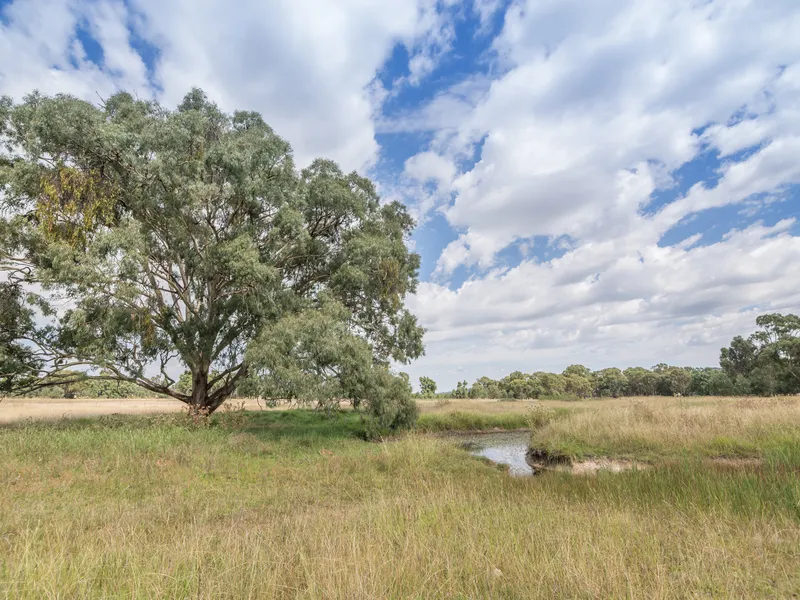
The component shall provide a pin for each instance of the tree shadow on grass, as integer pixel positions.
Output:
(301, 424)
(304, 425)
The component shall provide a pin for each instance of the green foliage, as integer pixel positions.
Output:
(550, 384)
(76, 384)
(642, 382)
(389, 406)
(739, 358)
(610, 382)
(18, 364)
(111, 388)
(190, 235)
(719, 384)
(577, 370)
(768, 361)
(184, 383)
(578, 386)
(427, 387)
(462, 390)
(675, 381)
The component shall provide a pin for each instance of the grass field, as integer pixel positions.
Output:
(767, 429)
(289, 504)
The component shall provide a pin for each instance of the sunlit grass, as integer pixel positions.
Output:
(763, 428)
(469, 421)
(294, 505)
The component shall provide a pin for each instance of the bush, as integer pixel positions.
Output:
(390, 406)
(719, 384)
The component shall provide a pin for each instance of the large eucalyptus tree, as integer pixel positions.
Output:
(146, 237)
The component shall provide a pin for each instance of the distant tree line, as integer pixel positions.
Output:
(764, 364)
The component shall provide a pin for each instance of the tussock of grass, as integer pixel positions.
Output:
(471, 415)
(468, 421)
(297, 506)
(767, 428)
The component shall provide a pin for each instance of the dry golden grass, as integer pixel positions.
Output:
(740, 427)
(14, 409)
(489, 406)
(481, 406)
(484, 414)
(293, 506)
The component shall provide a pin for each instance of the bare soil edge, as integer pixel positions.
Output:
(542, 461)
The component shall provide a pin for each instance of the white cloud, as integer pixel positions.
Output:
(108, 22)
(429, 166)
(39, 50)
(598, 104)
(773, 166)
(591, 93)
(486, 10)
(307, 66)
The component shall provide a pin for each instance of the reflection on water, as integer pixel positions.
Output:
(507, 448)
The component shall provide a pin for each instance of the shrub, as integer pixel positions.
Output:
(390, 406)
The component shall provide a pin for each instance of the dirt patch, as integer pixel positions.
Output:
(542, 461)
(539, 460)
(586, 467)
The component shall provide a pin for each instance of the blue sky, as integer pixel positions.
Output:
(608, 183)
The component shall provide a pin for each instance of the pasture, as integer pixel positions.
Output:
(293, 504)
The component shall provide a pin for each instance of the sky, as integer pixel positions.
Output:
(611, 183)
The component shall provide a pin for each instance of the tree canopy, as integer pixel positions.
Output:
(427, 387)
(134, 237)
(769, 359)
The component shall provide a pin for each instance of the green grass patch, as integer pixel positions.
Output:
(457, 420)
(466, 421)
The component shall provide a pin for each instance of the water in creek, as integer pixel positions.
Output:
(506, 448)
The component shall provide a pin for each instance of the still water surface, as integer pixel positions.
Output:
(507, 448)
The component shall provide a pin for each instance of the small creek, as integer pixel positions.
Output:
(511, 447)
(505, 448)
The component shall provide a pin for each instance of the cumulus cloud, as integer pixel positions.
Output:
(309, 67)
(591, 94)
(598, 106)
(429, 166)
(39, 49)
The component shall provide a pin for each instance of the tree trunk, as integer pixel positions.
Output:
(200, 401)
(205, 400)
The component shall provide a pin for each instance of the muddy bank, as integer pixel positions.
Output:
(539, 461)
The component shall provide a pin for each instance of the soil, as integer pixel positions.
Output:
(539, 461)
(586, 467)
